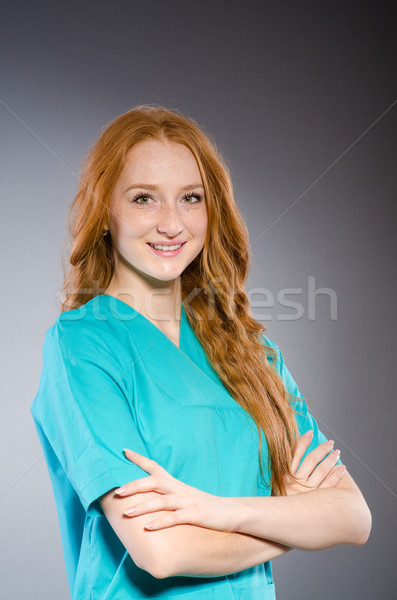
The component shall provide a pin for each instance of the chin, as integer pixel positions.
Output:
(167, 276)
(161, 275)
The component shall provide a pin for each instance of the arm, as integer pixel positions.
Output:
(197, 549)
(314, 520)
(184, 550)
(318, 519)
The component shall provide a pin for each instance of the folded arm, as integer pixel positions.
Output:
(314, 520)
(227, 535)
(184, 550)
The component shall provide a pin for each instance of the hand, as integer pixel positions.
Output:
(314, 471)
(186, 504)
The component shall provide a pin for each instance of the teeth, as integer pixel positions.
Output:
(160, 247)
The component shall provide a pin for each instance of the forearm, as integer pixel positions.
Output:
(205, 552)
(313, 520)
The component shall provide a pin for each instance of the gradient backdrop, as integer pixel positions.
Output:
(300, 97)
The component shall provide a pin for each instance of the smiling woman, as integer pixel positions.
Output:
(156, 351)
(148, 227)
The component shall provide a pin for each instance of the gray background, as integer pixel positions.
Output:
(299, 96)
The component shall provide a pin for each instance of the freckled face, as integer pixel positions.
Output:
(158, 217)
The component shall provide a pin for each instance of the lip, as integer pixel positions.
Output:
(168, 253)
(168, 243)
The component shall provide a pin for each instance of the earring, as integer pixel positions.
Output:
(105, 232)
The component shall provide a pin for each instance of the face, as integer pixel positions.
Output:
(158, 219)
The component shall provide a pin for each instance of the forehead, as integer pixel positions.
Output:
(153, 161)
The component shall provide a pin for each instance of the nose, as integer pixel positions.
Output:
(169, 222)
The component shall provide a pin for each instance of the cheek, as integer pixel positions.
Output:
(121, 233)
(200, 225)
(127, 226)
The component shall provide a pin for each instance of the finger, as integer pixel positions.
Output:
(313, 458)
(147, 464)
(334, 477)
(153, 505)
(164, 522)
(323, 469)
(301, 447)
(150, 483)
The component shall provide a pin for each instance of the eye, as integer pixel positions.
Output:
(144, 199)
(138, 199)
(197, 198)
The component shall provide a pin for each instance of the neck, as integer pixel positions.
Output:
(158, 301)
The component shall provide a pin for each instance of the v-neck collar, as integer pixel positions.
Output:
(189, 344)
(128, 310)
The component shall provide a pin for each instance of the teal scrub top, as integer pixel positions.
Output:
(111, 380)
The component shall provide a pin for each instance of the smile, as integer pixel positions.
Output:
(166, 249)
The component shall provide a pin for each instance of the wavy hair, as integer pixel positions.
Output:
(214, 280)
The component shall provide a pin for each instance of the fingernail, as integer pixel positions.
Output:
(331, 443)
(337, 452)
(308, 433)
(129, 511)
(121, 490)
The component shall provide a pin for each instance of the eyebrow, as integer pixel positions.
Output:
(156, 187)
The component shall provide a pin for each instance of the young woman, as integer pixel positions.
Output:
(160, 393)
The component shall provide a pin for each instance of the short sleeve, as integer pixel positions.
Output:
(305, 420)
(84, 408)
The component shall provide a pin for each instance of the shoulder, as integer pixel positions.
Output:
(84, 350)
(272, 350)
(86, 331)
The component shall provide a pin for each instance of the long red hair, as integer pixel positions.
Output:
(231, 338)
